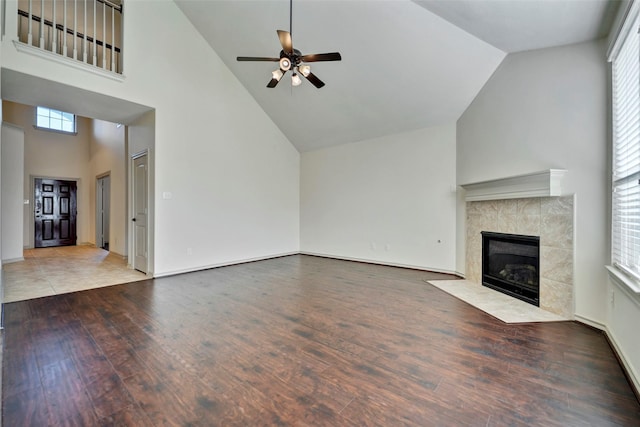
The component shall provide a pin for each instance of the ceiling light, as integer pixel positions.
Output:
(277, 74)
(305, 70)
(296, 80)
(285, 64)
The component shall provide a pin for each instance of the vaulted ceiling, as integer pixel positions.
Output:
(405, 64)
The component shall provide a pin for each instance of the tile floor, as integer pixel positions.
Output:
(59, 270)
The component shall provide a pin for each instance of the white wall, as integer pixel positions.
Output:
(141, 139)
(385, 200)
(233, 175)
(107, 155)
(12, 192)
(54, 155)
(548, 109)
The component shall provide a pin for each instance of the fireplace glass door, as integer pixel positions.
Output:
(511, 264)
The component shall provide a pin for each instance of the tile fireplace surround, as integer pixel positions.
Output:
(551, 218)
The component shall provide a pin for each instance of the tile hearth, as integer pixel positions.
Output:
(498, 305)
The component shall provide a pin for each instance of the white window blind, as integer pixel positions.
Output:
(626, 153)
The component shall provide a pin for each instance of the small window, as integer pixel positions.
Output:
(55, 120)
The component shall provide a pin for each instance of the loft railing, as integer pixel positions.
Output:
(89, 31)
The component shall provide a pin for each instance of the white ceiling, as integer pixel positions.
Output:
(405, 64)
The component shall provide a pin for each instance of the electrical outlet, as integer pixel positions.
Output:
(189, 251)
(613, 299)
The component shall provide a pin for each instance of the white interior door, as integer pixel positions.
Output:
(140, 213)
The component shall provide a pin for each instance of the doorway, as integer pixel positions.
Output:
(103, 211)
(55, 212)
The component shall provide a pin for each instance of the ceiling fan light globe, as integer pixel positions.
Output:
(296, 80)
(277, 74)
(285, 64)
(305, 70)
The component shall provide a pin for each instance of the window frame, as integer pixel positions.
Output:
(54, 129)
(623, 271)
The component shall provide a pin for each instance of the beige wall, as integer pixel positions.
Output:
(98, 148)
(107, 156)
(53, 155)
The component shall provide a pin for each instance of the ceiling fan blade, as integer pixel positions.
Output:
(315, 57)
(285, 41)
(257, 58)
(273, 83)
(314, 80)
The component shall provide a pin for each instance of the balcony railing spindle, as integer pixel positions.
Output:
(113, 38)
(84, 30)
(95, 36)
(30, 36)
(64, 29)
(75, 29)
(53, 33)
(41, 25)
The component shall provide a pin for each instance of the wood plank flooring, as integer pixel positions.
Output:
(299, 341)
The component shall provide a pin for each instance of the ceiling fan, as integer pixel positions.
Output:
(292, 59)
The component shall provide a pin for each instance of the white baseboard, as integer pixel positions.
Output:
(628, 368)
(222, 264)
(590, 322)
(390, 264)
(10, 260)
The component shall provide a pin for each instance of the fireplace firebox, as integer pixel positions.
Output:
(511, 265)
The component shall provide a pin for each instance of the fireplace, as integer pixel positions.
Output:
(511, 265)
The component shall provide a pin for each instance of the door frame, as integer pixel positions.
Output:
(150, 209)
(32, 199)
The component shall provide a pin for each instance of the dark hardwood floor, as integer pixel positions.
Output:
(299, 340)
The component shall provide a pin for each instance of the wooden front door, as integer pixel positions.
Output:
(55, 213)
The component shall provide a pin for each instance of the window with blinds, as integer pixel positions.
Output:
(626, 152)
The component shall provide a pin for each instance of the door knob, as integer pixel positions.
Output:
(133, 219)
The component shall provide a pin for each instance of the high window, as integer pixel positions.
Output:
(625, 59)
(47, 118)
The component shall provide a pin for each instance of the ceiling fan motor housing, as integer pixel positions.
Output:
(289, 60)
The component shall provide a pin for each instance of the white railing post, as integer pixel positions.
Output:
(113, 39)
(30, 35)
(75, 29)
(95, 51)
(84, 30)
(64, 29)
(54, 30)
(42, 24)
(104, 35)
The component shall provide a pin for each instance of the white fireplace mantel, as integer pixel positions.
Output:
(547, 183)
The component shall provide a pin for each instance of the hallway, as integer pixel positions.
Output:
(63, 269)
